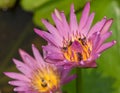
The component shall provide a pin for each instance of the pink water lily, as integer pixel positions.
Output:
(36, 75)
(75, 44)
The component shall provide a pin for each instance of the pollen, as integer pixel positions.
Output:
(79, 49)
(45, 80)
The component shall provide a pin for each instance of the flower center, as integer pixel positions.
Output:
(77, 50)
(45, 80)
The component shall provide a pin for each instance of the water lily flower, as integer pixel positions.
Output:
(75, 44)
(36, 75)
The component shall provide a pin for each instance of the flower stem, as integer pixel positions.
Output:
(79, 80)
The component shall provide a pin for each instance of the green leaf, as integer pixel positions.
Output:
(30, 5)
(5, 4)
(93, 82)
(111, 57)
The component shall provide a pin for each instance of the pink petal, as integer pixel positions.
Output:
(91, 64)
(37, 55)
(106, 26)
(17, 76)
(93, 57)
(106, 46)
(29, 91)
(47, 36)
(69, 78)
(69, 65)
(84, 16)
(22, 67)
(24, 88)
(58, 15)
(64, 73)
(50, 61)
(18, 83)
(76, 46)
(50, 48)
(61, 25)
(58, 24)
(94, 39)
(51, 29)
(28, 59)
(73, 20)
(103, 38)
(55, 56)
(65, 24)
(97, 27)
(57, 61)
(60, 63)
(88, 24)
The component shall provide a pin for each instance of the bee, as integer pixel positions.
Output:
(43, 84)
(79, 56)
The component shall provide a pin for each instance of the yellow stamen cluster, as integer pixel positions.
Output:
(76, 56)
(46, 79)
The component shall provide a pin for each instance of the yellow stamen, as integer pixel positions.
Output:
(75, 56)
(44, 80)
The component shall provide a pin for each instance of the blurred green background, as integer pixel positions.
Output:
(19, 17)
